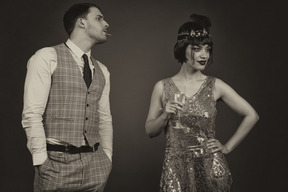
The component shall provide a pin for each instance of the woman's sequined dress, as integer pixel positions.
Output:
(188, 165)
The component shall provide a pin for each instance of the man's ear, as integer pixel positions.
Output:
(80, 23)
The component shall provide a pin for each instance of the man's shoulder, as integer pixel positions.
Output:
(101, 65)
(45, 52)
(49, 50)
(58, 45)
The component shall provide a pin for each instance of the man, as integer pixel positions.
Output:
(66, 112)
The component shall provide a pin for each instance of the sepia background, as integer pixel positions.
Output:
(250, 54)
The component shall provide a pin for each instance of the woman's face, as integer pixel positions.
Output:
(198, 55)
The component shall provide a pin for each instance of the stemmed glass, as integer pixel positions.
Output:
(180, 97)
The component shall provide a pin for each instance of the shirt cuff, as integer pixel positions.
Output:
(39, 158)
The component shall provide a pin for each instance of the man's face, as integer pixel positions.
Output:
(96, 26)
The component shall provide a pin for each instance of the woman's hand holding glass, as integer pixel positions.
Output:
(180, 98)
(172, 107)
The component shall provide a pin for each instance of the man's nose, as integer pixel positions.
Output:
(106, 24)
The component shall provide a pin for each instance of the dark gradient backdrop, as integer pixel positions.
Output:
(250, 54)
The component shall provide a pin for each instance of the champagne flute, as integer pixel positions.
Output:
(180, 97)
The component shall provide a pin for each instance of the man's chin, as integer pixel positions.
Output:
(102, 40)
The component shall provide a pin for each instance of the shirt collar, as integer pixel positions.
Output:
(76, 50)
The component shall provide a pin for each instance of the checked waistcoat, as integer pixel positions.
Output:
(72, 110)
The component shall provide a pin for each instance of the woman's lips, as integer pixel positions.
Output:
(202, 62)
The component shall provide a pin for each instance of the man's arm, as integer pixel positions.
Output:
(105, 124)
(36, 91)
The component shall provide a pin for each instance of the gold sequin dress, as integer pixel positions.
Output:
(188, 165)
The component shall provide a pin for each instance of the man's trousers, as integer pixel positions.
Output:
(85, 172)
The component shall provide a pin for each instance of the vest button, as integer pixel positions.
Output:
(85, 131)
(88, 92)
(86, 118)
(87, 105)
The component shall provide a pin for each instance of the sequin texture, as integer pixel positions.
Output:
(188, 165)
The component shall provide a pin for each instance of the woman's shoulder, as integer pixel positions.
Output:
(222, 87)
(220, 83)
(159, 85)
(212, 79)
(163, 81)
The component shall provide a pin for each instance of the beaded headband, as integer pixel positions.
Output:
(194, 34)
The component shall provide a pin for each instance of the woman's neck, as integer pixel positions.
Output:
(187, 73)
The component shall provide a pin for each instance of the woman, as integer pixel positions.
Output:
(194, 158)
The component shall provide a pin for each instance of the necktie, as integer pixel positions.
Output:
(87, 72)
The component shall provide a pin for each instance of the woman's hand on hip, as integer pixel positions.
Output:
(214, 145)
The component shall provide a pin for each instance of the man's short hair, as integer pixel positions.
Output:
(76, 11)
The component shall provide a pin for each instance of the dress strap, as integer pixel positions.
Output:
(210, 83)
(168, 89)
(209, 86)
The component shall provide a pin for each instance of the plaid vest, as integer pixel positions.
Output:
(72, 110)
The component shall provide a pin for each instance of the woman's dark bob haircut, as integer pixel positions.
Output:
(199, 23)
